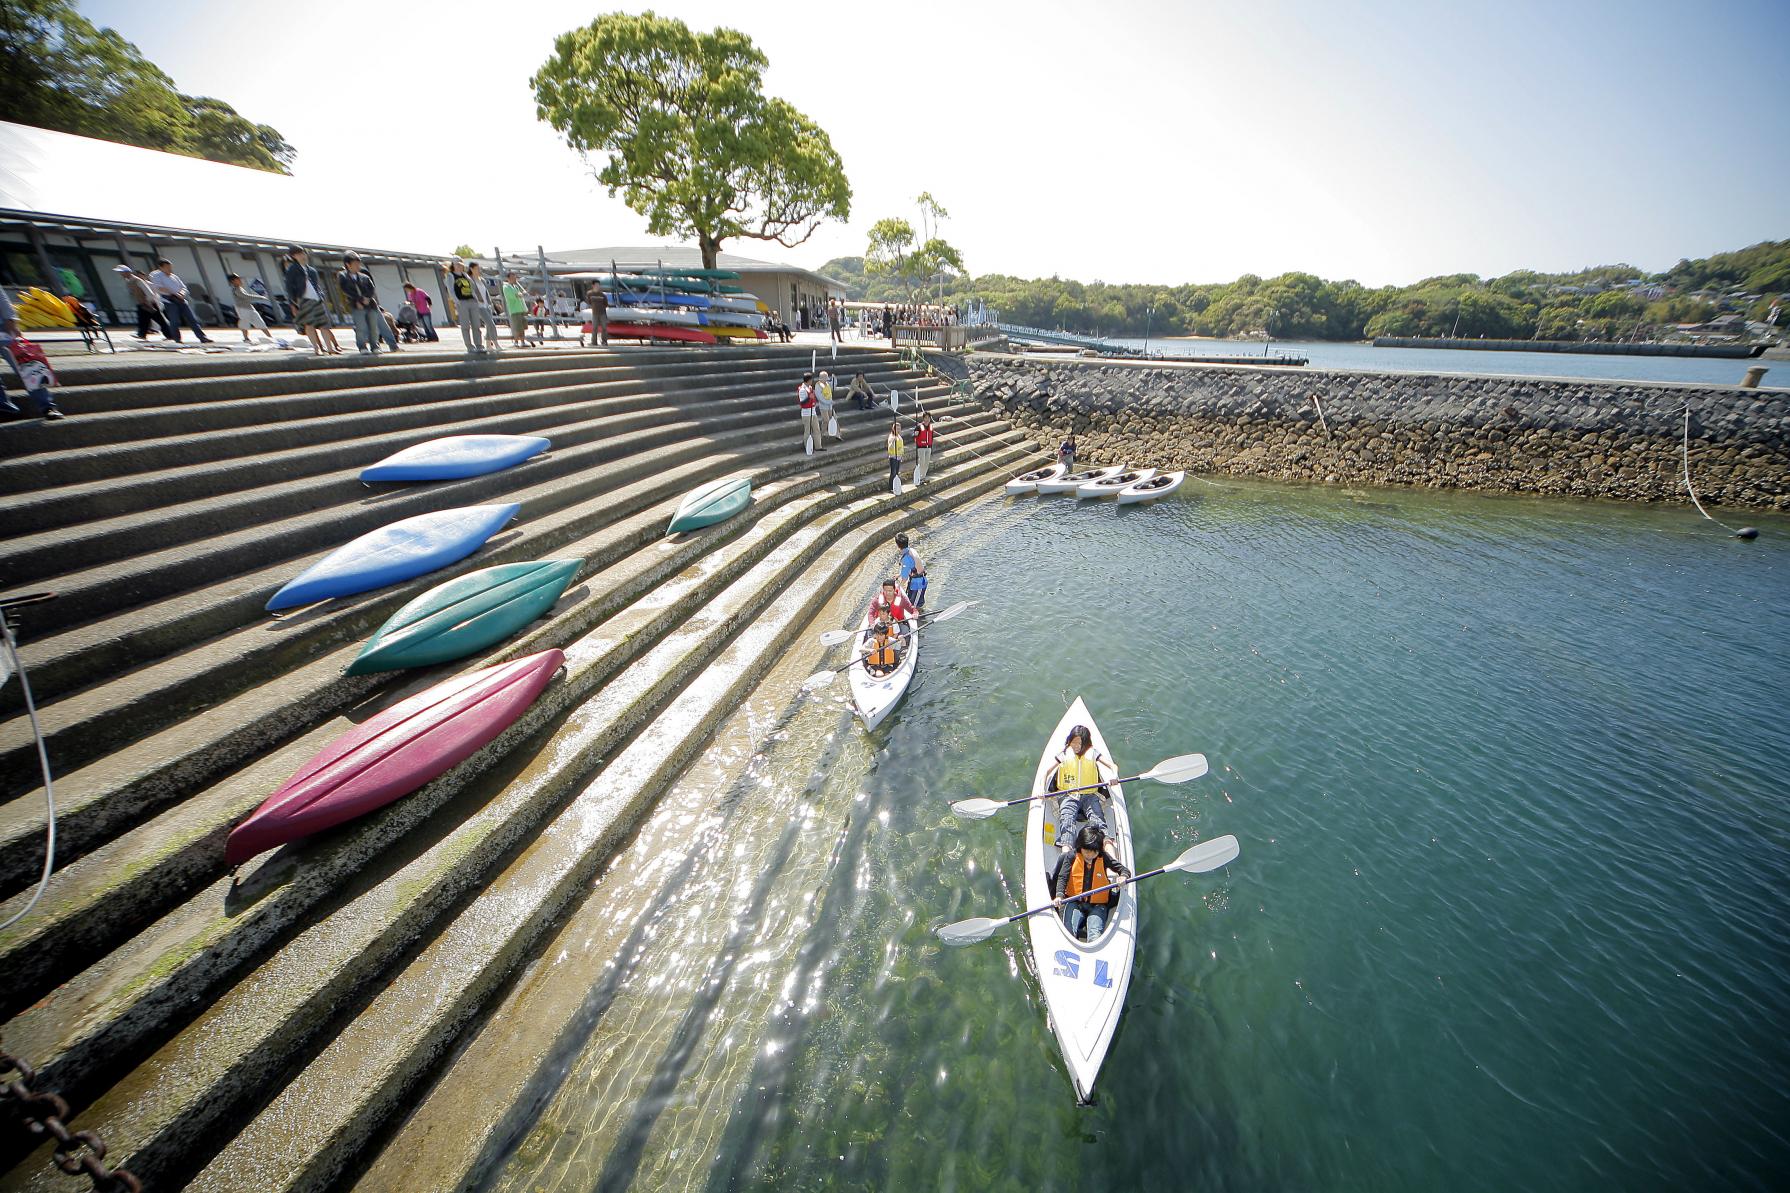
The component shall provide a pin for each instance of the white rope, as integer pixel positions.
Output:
(1687, 474)
(43, 757)
(1320, 410)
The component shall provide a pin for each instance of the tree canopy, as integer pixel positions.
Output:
(1606, 302)
(688, 137)
(58, 71)
(893, 254)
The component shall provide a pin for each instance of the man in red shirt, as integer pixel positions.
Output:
(889, 602)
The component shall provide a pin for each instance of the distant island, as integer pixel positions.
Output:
(1726, 297)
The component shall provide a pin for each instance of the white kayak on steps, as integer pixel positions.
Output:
(1084, 982)
(1027, 482)
(1109, 486)
(875, 696)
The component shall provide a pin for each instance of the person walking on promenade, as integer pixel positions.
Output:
(247, 316)
(922, 447)
(808, 402)
(599, 315)
(33, 372)
(425, 311)
(304, 290)
(515, 305)
(481, 295)
(835, 317)
(362, 294)
(894, 447)
(149, 304)
(823, 392)
(176, 302)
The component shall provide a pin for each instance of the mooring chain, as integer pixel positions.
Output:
(77, 1152)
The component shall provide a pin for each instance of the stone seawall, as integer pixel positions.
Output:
(1510, 434)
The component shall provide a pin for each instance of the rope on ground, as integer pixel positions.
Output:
(1744, 532)
(10, 645)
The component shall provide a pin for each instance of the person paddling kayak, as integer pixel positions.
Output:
(1080, 766)
(913, 573)
(889, 603)
(1089, 866)
(883, 654)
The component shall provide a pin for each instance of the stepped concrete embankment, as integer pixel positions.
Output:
(1510, 434)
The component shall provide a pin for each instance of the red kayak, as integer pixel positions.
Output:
(394, 753)
(659, 331)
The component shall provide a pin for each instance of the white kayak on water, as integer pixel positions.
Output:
(1158, 486)
(1075, 480)
(1109, 486)
(1027, 482)
(1084, 982)
(875, 696)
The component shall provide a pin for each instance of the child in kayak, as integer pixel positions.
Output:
(1085, 868)
(882, 655)
(1080, 765)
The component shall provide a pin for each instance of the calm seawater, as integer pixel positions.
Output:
(1508, 776)
(1367, 358)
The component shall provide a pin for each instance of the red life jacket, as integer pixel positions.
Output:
(805, 397)
(923, 436)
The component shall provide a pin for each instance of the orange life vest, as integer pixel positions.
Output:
(1081, 880)
(882, 655)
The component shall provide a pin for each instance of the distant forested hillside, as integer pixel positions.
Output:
(1609, 302)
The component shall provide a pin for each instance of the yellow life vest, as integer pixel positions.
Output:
(1077, 771)
(1083, 877)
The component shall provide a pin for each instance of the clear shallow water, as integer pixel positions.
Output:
(1508, 778)
(1367, 358)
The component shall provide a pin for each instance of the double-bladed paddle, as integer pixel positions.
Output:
(1207, 855)
(1183, 769)
(839, 637)
(822, 678)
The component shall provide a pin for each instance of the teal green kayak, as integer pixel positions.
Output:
(714, 502)
(465, 615)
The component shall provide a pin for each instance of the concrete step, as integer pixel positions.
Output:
(196, 500)
(167, 437)
(647, 719)
(103, 589)
(366, 891)
(223, 596)
(161, 694)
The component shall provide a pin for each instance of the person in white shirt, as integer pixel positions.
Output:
(176, 302)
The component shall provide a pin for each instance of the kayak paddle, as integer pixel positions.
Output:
(1183, 769)
(839, 637)
(1207, 855)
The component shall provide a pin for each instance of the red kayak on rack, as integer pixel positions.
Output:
(659, 331)
(394, 753)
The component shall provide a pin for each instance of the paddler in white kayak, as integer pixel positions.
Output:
(1079, 769)
(884, 652)
(888, 604)
(1087, 867)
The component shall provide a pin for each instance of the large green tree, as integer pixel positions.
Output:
(687, 136)
(58, 71)
(912, 262)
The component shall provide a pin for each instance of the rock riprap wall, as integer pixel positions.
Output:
(1514, 434)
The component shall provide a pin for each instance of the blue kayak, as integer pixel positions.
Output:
(466, 614)
(714, 502)
(455, 456)
(401, 551)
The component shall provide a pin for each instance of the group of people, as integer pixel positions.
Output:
(895, 602)
(1089, 859)
(880, 324)
(820, 422)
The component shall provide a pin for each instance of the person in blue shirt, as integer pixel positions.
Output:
(913, 573)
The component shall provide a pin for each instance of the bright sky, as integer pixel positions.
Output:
(1126, 142)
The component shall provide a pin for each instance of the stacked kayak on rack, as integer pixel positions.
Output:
(689, 305)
